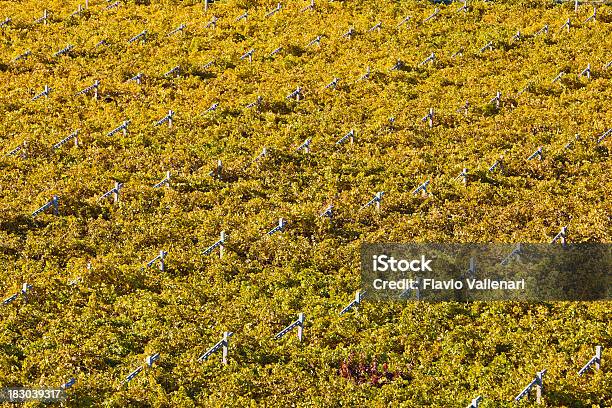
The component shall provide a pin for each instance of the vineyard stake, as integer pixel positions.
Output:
(165, 181)
(333, 84)
(586, 71)
(604, 135)
(168, 118)
(297, 94)
(222, 344)
(151, 359)
(538, 153)
(274, 10)
(538, 382)
(53, 203)
(177, 29)
(350, 136)
(431, 58)
(68, 384)
(281, 225)
(567, 24)
(488, 46)
(114, 192)
(354, 304)
(212, 22)
(299, 323)
(248, 54)
(496, 99)
(64, 50)
(435, 13)
(376, 200)
(305, 146)
(429, 118)
(561, 236)
(220, 244)
(243, 16)
(160, 259)
(475, 402)
(44, 93)
(73, 136)
(93, 87)
(518, 250)
(404, 21)
(593, 16)
(328, 212)
(422, 187)
(594, 361)
(142, 35)
(121, 128)
(175, 70)
(311, 6)
(463, 176)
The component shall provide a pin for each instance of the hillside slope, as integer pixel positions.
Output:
(98, 323)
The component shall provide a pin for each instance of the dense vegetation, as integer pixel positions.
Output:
(98, 324)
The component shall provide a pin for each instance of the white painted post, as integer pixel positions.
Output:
(55, 202)
(219, 168)
(300, 331)
(222, 245)
(475, 402)
(45, 16)
(24, 291)
(540, 386)
(575, 6)
(151, 359)
(116, 191)
(598, 357)
(589, 70)
(86, 4)
(225, 346)
(205, 6)
(563, 235)
(162, 255)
